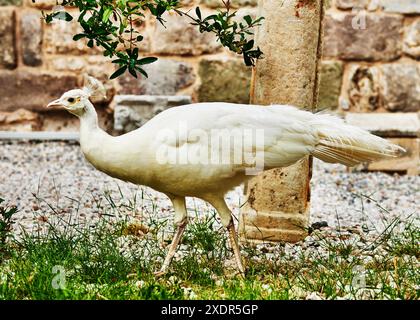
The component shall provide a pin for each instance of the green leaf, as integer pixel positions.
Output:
(248, 20)
(248, 60)
(212, 17)
(135, 53)
(152, 9)
(119, 72)
(258, 20)
(160, 9)
(147, 60)
(119, 61)
(79, 36)
(63, 15)
(249, 45)
(144, 73)
(132, 72)
(107, 14)
(122, 4)
(8, 214)
(48, 18)
(198, 12)
(95, 19)
(121, 29)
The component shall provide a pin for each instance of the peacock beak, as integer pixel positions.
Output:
(55, 103)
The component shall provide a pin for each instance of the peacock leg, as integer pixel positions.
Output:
(233, 238)
(227, 221)
(181, 222)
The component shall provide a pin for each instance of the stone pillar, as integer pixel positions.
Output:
(290, 37)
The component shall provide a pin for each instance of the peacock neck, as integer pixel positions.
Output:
(102, 150)
(89, 127)
(112, 155)
(89, 119)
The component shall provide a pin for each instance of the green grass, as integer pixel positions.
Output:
(115, 259)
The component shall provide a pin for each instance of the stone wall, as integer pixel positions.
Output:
(371, 61)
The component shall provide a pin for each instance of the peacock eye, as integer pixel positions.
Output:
(71, 100)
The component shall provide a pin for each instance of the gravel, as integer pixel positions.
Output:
(39, 176)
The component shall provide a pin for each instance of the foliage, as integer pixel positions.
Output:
(112, 25)
(6, 214)
(110, 259)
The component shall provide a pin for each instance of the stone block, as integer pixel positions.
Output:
(40, 4)
(388, 87)
(407, 164)
(387, 125)
(400, 128)
(331, 74)
(132, 111)
(411, 45)
(58, 38)
(180, 37)
(225, 80)
(66, 63)
(166, 77)
(186, 3)
(234, 3)
(97, 66)
(10, 2)
(277, 214)
(63, 121)
(400, 87)
(361, 89)
(266, 227)
(350, 4)
(19, 120)
(32, 90)
(31, 37)
(7, 38)
(363, 36)
(400, 6)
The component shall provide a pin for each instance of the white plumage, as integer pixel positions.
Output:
(289, 134)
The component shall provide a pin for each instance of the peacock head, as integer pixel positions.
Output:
(76, 101)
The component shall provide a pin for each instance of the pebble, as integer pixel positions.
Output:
(319, 225)
(314, 296)
(297, 292)
(189, 293)
(219, 282)
(267, 288)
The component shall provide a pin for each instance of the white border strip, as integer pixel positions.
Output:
(39, 135)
